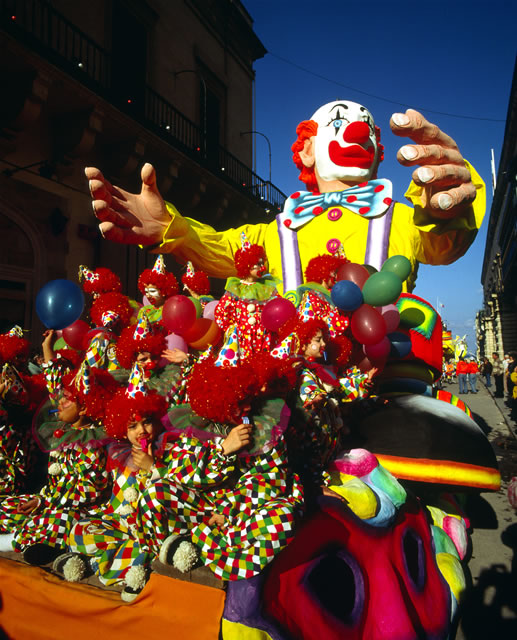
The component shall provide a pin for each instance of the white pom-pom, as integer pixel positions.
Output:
(185, 556)
(54, 468)
(54, 454)
(136, 578)
(130, 495)
(125, 510)
(74, 569)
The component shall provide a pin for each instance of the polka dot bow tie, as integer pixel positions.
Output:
(368, 199)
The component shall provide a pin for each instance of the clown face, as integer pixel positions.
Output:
(154, 295)
(345, 147)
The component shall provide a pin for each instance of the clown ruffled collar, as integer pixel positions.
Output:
(57, 436)
(260, 290)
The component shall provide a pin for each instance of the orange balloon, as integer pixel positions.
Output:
(212, 336)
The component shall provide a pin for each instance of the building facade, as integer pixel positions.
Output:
(496, 323)
(112, 84)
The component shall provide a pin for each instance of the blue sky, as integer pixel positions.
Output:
(445, 58)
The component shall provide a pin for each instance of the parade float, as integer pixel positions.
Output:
(380, 553)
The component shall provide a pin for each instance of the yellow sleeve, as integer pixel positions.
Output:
(444, 241)
(208, 249)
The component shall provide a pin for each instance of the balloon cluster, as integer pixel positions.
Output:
(369, 296)
(190, 325)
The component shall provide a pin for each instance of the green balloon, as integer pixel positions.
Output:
(61, 343)
(197, 304)
(382, 288)
(399, 265)
(371, 270)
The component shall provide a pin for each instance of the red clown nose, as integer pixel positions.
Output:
(357, 132)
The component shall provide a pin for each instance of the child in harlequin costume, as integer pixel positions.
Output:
(229, 486)
(38, 524)
(144, 344)
(317, 428)
(157, 284)
(122, 538)
(239, 310)
(110, 313)
(197, 284)
(320, 276)
(22, 465)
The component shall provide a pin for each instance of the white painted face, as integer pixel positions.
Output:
(154, 295)
(345, 145)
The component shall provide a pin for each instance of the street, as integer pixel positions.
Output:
(489, 608)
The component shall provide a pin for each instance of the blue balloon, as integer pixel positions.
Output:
(346, 295)
(59, 303)
(400, 344)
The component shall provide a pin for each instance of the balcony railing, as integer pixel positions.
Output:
(38, 25)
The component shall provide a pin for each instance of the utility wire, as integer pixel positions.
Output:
(372, 95)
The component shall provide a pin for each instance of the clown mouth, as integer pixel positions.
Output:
(352, 156)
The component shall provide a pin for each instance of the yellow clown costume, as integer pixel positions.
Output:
(399, 230)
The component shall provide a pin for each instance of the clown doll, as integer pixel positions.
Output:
(197, 284)
(238, 313)
(101, 280)
(157, 284)
(38, 524)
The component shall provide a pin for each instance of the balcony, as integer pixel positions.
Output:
(37, 25)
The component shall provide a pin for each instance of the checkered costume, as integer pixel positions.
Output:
(77, 477)
(12, 460)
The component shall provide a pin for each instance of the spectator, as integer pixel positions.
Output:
(461, 373)
(486, 371)
(498, 373)
(472, 375)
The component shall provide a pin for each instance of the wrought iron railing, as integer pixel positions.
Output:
(40, 26)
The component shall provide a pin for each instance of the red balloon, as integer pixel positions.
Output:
(212, 336)
(75, 333)
(367, 325)
(178, 314)
(197, 330)
(379, 350)
(354, 272)
(366, 364)
(276, 313)
(391, 316)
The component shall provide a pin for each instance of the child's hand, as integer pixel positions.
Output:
(216, 520)
(142, 459)
(238, 438)
(177, 356)
(28, 506)
(316, 402)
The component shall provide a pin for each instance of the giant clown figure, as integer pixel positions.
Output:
(338, 152)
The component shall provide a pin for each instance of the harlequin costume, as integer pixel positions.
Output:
(238, 313)
(77, 475)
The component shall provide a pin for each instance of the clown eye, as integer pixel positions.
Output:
(337, 123)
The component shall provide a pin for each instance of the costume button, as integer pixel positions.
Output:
(251, 307)
(333, 245)
(252, 320)
(334, 214)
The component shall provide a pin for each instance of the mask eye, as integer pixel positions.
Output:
(414, 557)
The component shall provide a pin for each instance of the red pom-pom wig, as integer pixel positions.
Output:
(116, 302)
(105, 282)
(320, 268)
(12, 347)
(166, 283)
(128, 347)
(123, 410)
(102, 388)
(246, 259)
(198, 283)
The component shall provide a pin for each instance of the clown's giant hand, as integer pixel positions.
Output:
(129, 218)
(442, 172)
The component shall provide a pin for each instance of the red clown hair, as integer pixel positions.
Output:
(303, 330)
(106, 282)
(12, 347)
(128, 347)
(102, 387)
(198, 283)
(246, 259)
(319, 268)
(166, 283)
(123, 409)
(217, 393)
(306, 130)
(116, 302)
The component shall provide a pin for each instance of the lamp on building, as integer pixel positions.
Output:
(243, 133)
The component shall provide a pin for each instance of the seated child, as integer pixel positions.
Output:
(38, 524)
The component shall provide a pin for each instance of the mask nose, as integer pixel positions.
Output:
(357, 132)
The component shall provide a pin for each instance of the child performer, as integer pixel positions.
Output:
(197, 284)
(77, 477)
(123, 536)
(157, 284)
(239, 310)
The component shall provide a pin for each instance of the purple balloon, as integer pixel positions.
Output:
(209, 310)
(379, 350)
(175, 341)
(391, 316)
